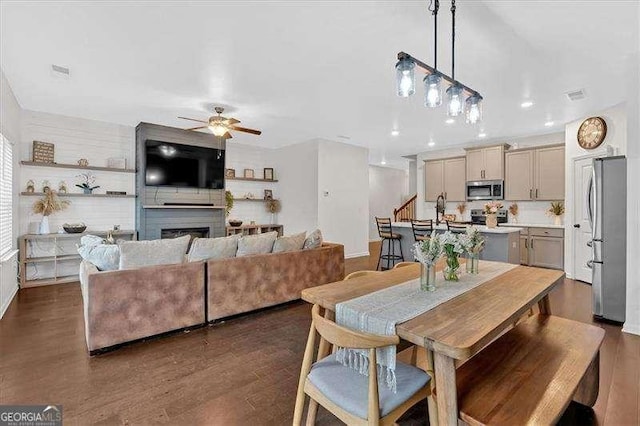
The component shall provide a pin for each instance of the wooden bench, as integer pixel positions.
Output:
(531, 374)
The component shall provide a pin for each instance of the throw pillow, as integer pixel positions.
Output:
(314, 240)
(213, 248)
(290, 243)
(256, 244)
(137, 254)
(105, 257)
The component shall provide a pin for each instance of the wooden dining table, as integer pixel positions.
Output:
(455, 330)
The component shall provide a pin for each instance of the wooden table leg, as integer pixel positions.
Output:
(447, 399)
(545, 307)
(431, 402)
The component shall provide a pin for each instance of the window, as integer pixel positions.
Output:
(6, 195)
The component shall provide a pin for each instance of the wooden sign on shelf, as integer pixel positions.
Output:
(43, 152)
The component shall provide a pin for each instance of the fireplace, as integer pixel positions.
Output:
(179, 232)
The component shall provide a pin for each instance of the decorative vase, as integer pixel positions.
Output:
(557, 220)
(472, 263)
(44, 226)
(492, 220)
(427, 277)
(88, 190)
(515, 218)
(451, 270)
(274, 218)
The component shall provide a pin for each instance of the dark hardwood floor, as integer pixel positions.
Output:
(241, 372)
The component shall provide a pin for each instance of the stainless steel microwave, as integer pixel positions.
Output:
(485, 190)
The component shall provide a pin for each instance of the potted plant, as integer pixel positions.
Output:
(428, 252)
(228, 200)
(556, 210)
(273, 207)
(88, 180)
(47, 205)
(513, 211)
(491, 213)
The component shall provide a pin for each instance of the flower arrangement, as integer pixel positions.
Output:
(452, 248)
(273, 206)
(462, 207)
(513, 209)
(428, 251)
(492, 207)
(49, 204)
(89, 179)
(228, 200)
(472, 240)
(556, 208)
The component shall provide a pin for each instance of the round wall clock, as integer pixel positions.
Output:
(592, 132)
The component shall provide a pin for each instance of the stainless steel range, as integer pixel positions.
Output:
(478, 217)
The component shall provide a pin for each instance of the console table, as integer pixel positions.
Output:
(254, 229)
(59, 250)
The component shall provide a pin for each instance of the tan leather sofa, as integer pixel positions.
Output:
(242, 284)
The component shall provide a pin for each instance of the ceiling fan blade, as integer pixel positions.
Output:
(232, 121)
(244, 129)
(193, 119)
(198, 128)
(227, 135)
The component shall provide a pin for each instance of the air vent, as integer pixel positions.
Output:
(575, 95)
(60, 71)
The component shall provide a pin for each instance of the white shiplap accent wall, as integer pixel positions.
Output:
(76, 138)
(240, 157)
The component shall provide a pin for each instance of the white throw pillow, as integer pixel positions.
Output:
(137, 254)
(290, 243)
(314, 240)
(213, 248)
(256, 244)
(105, 257)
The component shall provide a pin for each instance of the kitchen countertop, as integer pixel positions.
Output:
(482, 229)
(531, 225)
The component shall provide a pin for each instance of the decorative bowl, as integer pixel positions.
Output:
(234, 222)
(74, 228)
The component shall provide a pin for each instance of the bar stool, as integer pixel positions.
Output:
(456, 226)
(386, 233)
(422, 229)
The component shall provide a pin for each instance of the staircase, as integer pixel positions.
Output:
(407, 211)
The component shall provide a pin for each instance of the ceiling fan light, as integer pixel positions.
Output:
(405, 77)
(455, 101)
(218, 129)
(432, 91)
(474, 109)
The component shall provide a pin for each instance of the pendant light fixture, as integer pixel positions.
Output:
(456, 93)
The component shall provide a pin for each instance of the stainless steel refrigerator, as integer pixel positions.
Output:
(607, 208)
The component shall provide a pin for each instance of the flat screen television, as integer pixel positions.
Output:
(187, 166)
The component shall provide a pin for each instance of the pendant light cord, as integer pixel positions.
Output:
(434, 6)
(453, 39)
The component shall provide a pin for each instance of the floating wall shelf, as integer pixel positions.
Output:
(77, 167)
(40, 194)
(160, 206)
(250, 199)
(252, 179)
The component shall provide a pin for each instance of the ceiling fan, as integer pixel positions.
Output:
(220, 126)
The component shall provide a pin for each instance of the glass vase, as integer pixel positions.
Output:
(451, 270)
(427, 277)
(472, 263)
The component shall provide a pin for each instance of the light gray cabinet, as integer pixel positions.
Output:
(542, 247)
(485, 163)
(446, 177)
(535, 174)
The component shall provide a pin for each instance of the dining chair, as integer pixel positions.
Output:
(385, 231)
(422, 229)
(352, 397)
(456, 226)
(357, 274)
(403, 264)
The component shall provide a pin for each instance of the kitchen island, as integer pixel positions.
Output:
(501, 244)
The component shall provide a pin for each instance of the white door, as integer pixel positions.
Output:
(583, 170)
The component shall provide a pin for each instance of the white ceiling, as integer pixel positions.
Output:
(301, 70)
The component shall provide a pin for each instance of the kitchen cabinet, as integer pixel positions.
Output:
(542, 247)
(535, 174)
(446, 177)
(485, 163)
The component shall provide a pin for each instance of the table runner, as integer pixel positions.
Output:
(379, 312)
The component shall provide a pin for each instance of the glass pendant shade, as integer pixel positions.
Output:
(432, 91)
(218, 129)
(455, 101)
(474, 109)
(405, 77)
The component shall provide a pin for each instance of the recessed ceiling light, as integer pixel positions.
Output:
(549, 124)
(526, 104)
(482, 135)
(431, 143)
(450, 121)
(395, 133)
(383, 162)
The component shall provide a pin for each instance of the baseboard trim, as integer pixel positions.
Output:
(6, 305)
(352, 255)
(631, 329)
